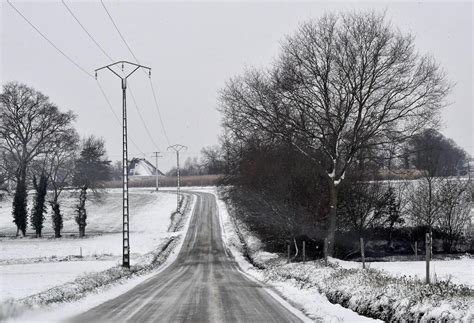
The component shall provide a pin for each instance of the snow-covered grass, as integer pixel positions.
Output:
(457, 271)
(32, 265)
(368, 292)
(18, 281)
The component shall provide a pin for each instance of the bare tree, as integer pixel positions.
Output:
(426, 201)
(343, 84)
(60, 168)
(28, 122)
(455, 209)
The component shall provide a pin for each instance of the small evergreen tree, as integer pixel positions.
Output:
(392, 209)
(19, 211)
(37, 214)
(91, 169)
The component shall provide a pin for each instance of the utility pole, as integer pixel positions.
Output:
(157, 155)
(177, 148)
(125, 204)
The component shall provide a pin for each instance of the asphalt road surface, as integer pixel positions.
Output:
(203, 284)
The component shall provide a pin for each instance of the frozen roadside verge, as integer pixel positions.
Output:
(372, 293)
(90, 290)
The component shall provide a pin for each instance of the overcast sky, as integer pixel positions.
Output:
(193, 48)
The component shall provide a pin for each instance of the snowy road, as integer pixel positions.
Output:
(204, 284)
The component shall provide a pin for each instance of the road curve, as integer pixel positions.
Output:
(202, 285)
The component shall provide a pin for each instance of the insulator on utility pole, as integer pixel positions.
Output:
(177, 148)
(125, 204)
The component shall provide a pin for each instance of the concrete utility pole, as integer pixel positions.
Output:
(177, 148)
(125, 213)
(157, 155)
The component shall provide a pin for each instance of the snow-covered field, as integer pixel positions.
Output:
(458, 271)
(30, 265)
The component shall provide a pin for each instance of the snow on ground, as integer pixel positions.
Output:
(18, 281)
(60, 312)
(46, 261)
(312, 303)
(458, 271)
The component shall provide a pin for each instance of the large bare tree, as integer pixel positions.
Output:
(28, 123)
(343, 84)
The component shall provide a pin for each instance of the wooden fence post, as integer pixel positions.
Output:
(325, 251)
(289, 253)
(428, 256)
(362, 252)
(416, 250)
(304, 251)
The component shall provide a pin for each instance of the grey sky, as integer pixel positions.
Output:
(193, 48)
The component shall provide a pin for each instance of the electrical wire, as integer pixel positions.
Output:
(115, 115)
(136, 59)
(118, 31)
(49, 41)
(141, 118)
(112, 60)
(85, 30)
(72, 62)
(159, 113)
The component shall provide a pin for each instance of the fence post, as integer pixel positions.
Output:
(428, 256)
(304, 251)
(289, 246)
(362, 252)
(325, 251)
(416, 250)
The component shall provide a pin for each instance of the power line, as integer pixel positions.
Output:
(102, 90)
(141, 118)
(49, 41)
(118, 31)
(85, 30)
(136, 59)
(159, 113)
(115, 115)
(72, 62)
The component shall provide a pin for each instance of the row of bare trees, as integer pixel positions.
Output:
(342, 87)
(38, 144)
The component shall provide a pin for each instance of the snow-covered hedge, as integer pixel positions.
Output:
(372, 293)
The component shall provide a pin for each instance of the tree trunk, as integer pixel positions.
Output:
(332, 217)
(57, 218)
(81, 212)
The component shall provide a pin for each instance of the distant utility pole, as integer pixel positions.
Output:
(157, 155)
(177, 148)
(126, 218)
